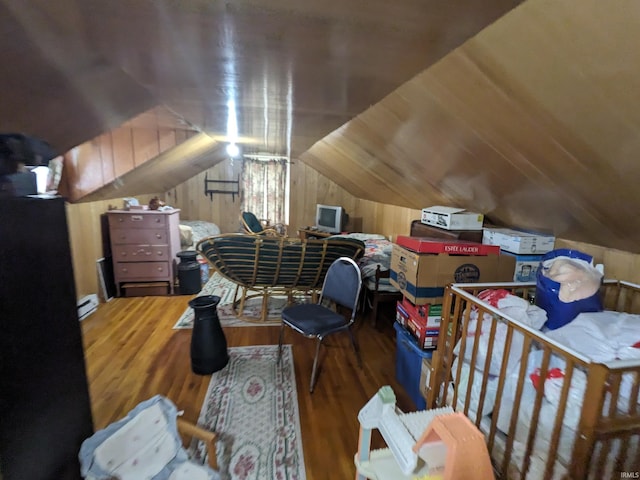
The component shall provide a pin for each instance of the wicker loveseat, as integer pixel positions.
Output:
(265, 266)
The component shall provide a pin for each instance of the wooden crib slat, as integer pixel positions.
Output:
(487, 363)
(557, 425)
(633, 397)
(537, 404)
(461, 354)
(516, 407)
(591, 410)
(500, 389)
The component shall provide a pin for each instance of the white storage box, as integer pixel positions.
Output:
(516, 241)
(451, 218)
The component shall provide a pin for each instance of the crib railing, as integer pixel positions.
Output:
(590, 430)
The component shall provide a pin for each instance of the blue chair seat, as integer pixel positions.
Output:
(313, 320)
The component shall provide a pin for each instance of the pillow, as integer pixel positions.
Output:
(186, 236)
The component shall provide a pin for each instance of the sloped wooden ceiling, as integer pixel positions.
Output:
(295, 70)
(534, 122)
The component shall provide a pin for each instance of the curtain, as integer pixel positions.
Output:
(264, 189)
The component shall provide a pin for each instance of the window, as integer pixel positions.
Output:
(265, 189)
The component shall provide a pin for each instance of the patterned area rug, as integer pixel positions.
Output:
(252, 405)
(225, 289)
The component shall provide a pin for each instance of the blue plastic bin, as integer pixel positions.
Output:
(409, 364)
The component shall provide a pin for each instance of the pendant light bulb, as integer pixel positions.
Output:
(233, 150)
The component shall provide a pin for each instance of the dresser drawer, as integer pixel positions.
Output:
(137, 220)
(144, 270)
(141, 253)
(144, 236)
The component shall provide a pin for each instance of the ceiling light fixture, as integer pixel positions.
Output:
(233, 150)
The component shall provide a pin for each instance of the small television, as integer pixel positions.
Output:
(330, 218)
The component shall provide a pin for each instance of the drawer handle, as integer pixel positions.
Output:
(136, 218)
(158, 235)
(124, 254)
(125, 270)
(159, 253)
(160, 269)
(121, 220)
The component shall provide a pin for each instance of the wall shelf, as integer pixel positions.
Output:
(228, 187)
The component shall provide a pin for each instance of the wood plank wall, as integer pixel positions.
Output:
(109, 156)
(618, 264)
(221, 209)
(308, 187)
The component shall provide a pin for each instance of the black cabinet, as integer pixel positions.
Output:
(419, 229)
(45, 411)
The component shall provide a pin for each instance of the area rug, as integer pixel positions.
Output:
(252, 405)
(225, 289)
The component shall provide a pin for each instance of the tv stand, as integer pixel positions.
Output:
(308, 232)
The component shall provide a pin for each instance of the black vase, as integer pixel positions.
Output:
(208, 343)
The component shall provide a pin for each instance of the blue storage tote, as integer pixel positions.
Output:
(409, 364)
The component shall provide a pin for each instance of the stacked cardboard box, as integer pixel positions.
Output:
(421, 267)
(422, 321)
(421, 277)
(526, 248)
(517, 241)
(452, 218)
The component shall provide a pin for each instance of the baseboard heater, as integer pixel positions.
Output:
(87, 305)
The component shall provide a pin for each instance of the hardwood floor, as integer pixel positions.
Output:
(132, 353)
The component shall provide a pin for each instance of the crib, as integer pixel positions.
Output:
(590, 429)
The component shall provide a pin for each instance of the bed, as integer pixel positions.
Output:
(547, 407)
(377, 253)
(374, 266)
(192, 231)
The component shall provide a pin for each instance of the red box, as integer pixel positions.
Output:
(429, 314)
(451, 247)
(427, 337)
(417, 323)
(402, 316)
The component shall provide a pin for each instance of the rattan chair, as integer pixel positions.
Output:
(252, 225)
(263, 266)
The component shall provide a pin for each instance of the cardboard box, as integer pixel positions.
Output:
(427, 337)
(516, 241)
(430, 313)
(422, 321)
(421, 277)
(425, 376)
(526, 267)
(441, 245)
(451, 218)
(402, 316)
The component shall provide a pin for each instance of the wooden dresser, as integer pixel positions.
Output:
(144, 245)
